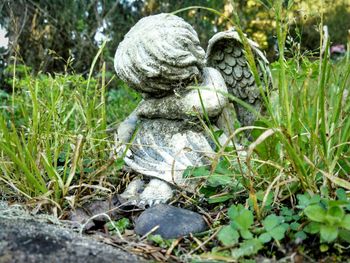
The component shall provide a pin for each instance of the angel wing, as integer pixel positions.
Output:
(225, 53)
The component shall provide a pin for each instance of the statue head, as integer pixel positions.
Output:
(159, 54)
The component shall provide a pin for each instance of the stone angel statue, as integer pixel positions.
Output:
(161, 58)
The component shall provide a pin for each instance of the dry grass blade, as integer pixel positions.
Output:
(76, 155)
(205, 242)
(269, 188)
(260, 139)
(149, 233)
(172, 247)
(334, 179)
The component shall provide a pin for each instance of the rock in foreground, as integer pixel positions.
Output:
(26, 239)
(173, 222)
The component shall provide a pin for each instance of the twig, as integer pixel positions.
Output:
(171, 248)
(205, 242)
(149, 232)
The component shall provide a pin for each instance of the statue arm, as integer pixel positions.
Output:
(212, 92)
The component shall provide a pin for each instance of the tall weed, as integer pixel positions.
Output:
(54, 143)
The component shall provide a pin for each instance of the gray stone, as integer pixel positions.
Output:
(240, 72)
(93, 213)
(168, 139)
(173, 222)
(153, 61)
(185, 103)
(230, 60)
(24, 238)
(161, 57)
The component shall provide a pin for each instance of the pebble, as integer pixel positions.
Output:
(173, 222)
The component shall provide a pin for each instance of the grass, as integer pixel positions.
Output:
(55, 154)
(54, 137)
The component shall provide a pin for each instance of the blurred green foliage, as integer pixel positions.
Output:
(41, 122)
(59, 36)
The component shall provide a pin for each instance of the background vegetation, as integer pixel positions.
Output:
(52, 41)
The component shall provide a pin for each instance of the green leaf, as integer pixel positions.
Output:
(37, 181)
(315, 213)
(246, 234)
(332, 203)
(201, 171)
(312, 228)
(345, 223)
(265, 237)
(324, 191)
(301, 235)
(278, 232)
(4, 95)
(164, 243)
(207, 191)
(271, 221)
(324, 248)
(233, 212)
(228, 236)
(345, 235)
(260, 195)
(341, 194)
(285, 226)
(303, 200)
(296, 217)
(335, 215)
(286, 211)
(243, 220)
(220, 199)
(218, 133)
(328, 233)
(294, 226)
(119, 163)
(247, 248)
(219, 180)
(121, 225)
(223, 167)
(315, 199)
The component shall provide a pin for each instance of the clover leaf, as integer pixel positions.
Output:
(241, 219)
(328, 221)
(275, 228)
(228, 236)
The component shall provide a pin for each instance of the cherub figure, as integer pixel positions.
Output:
(161, 57)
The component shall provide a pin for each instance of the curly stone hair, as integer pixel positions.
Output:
(160, 53)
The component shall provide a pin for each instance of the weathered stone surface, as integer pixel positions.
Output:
(161, 57)
(187, 103)
(94, 212)
(168, 140)
(79, 217)
(24, 238)
(143, 194)
(173, 222)
(165, 148)
(236, 68)
(154, 61)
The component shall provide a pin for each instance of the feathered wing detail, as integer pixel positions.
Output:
(165, 148)
(225, 52)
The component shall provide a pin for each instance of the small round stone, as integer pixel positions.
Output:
(173, 222)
